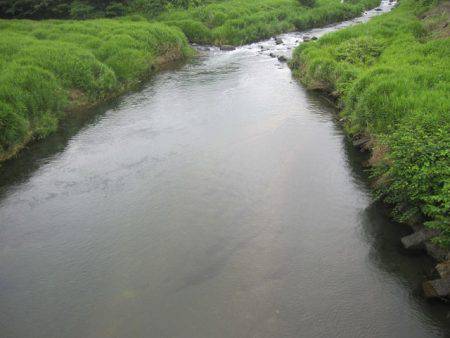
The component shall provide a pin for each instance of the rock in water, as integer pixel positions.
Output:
(314, 38)
(227, 47)
(282, 58)
(437, 288)
(306, 38)
(361, 141)
(443, 269)
(278, 41)
(417, 239)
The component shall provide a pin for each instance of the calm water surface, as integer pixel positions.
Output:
(221, 200)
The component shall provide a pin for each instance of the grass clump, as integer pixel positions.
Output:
(50, 66)
(239, 22)
(392, 78)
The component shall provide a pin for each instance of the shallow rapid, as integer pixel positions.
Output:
(220, 200)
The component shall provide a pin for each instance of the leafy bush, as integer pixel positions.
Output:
(80, 10)
(115, 9)
(150, 8)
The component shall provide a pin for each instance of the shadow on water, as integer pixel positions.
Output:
(409, 270)
(40, 152)
(383, 234)
(17, 170)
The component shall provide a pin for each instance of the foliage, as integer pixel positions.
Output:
(80, 10)
(238, 22)
(393, 80)
(48, 66)
(307, 3)
(115, 9)
(83, 9)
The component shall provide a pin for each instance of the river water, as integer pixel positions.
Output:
(220, 200)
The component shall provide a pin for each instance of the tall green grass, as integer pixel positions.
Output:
(238, 22)
(392, 78)
(49, 66)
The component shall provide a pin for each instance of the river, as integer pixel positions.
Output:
(219, 200)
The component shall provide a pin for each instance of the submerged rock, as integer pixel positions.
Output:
(272, 55)
(306, 38)
(378, 9)
(314, 38)
(282, 58)
(227, 47)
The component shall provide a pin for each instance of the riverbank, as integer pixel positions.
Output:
(54, 67)
(239, 22)
(49, 68)
(391, 79)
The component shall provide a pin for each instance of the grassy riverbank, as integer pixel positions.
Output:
(49, 67)
(53, 66)
(238, 22)
(391, 78)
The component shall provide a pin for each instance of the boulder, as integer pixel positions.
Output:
(306, 38)
(272, 55)
(378, 9)
(417, 239)
(436, 251)
(443, 269)
(278, 41)
(436, 288)
(282, 58)
(314, 38)
(361, 141)
(227, 47)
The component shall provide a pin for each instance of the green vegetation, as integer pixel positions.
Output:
(47, 67)
(203, 21)
(90, 9)
(238, 22)
(80, 9)
(392, 78)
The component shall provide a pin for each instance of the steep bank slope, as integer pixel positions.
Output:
(48, 67)
(391, 76)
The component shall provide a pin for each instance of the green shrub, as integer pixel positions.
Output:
(13, 128)
(115, 9)
(81, 11)
(150, 8)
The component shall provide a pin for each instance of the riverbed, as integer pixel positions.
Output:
(222, 199)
